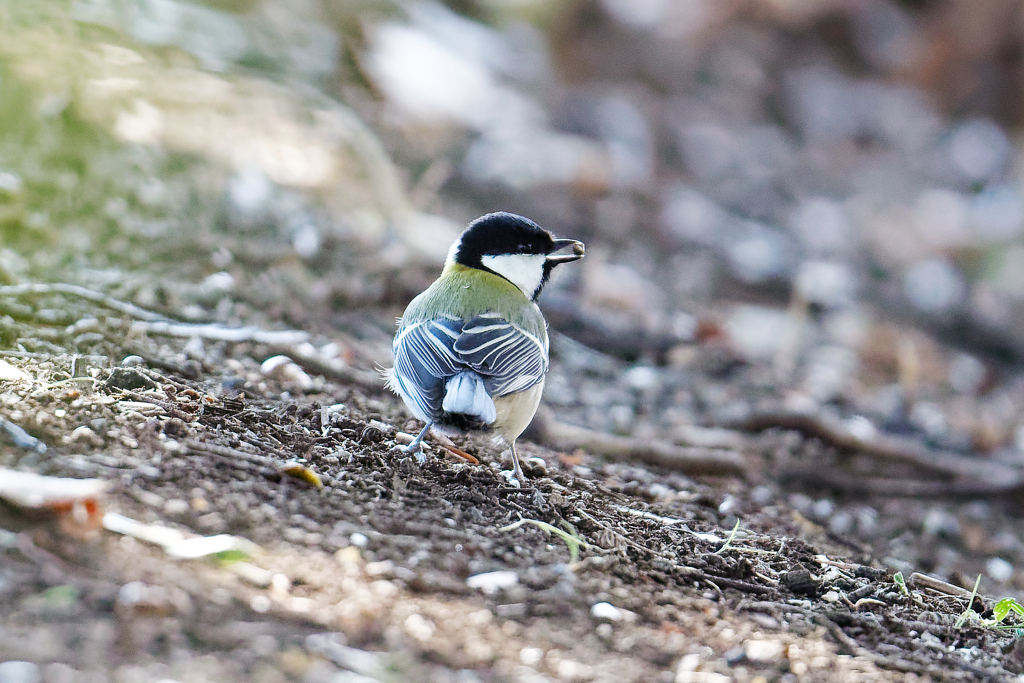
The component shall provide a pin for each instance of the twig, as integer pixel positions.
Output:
(70, 380)
(715, 586)
(460, 454)
(835, 432)
(21, 438)
(83, 293)
(728, 541)
(735, 584)
(320, 366)
(572, 540)
(696, 461)
(938, 585)
(155, 323)
(838, 480)
(624, 539)
(220, 333)
(170, 409)
(233, 454)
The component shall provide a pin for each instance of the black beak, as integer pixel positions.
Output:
(578, 250)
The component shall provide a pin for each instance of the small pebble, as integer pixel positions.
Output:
(86, 434)
(762, 650)
(606, 612)
(284, 369)
(999, 569)
(176, 506)
(137, 599)
(380, 568)
(862, 592)
(688, 663)
(492, 582)
(260, 604)
(133, 361)
(764, 621)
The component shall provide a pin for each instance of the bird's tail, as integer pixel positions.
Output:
(465, 394)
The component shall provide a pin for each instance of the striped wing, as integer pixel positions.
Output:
(509, 358)
(429, 353)
(425, 359)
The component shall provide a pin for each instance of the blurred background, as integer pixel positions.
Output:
(812, 205)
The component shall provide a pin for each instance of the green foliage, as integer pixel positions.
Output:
(227, 557)
(728, 541)
(571, 538)
(1000, 612)
(966, 614)
(1003, 609)
(899, 581)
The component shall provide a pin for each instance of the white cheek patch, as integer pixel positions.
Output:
(453, 251)
(525, 271)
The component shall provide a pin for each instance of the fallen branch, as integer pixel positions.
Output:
(688, 460)
(234, 454)
(220, 333)
(156, 323)
(843, 481)
(938, 585)
(168, 408)
(318, 365)
(835, 432)
(82, 293)
(21, 438)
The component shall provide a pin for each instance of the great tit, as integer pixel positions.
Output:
(471, 350)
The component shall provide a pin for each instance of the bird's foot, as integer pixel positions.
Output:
(510, 475)
(415, 450)
(415, 447)
(515, 477)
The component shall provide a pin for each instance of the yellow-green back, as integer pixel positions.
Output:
(464, 292)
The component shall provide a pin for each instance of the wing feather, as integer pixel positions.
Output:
(509, 358)
(430, 352)
(424, 361)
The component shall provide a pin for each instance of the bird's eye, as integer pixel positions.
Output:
(523, 248)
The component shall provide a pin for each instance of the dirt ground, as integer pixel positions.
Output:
(767, 451)
(369, 567)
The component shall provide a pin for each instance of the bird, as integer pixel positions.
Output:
(471, 350)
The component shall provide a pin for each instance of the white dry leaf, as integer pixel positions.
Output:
(30, 490)
(174, 542)
(10, 373)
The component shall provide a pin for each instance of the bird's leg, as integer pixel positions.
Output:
(515, 477)
(415, 445)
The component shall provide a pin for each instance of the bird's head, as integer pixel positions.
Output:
(514, 248)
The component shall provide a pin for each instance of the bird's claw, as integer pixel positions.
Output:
(510, 475)
(414, 451)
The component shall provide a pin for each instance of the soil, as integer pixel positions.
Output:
(371, 567)
(855, 445)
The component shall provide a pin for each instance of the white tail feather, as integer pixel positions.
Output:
(465, 393)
